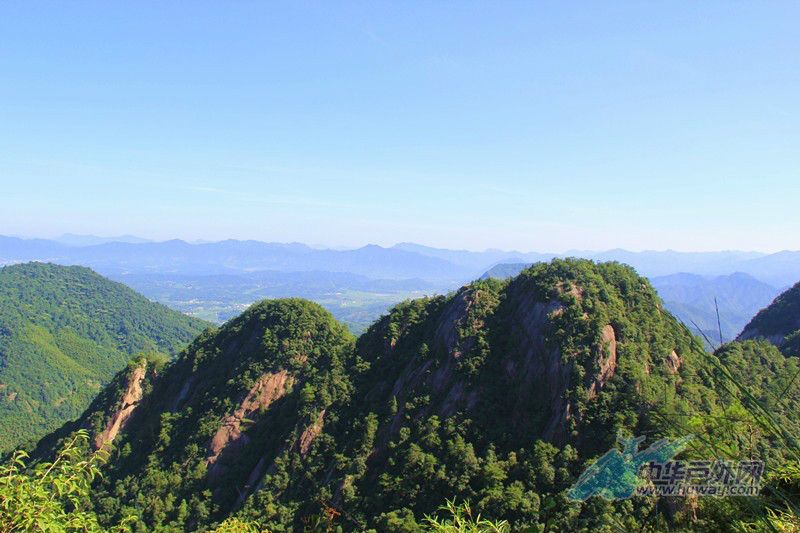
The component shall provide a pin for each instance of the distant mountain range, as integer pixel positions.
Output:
(70, 239)
(692, 299)
(218, 280)
(129, 254)
(780, 269)
(231, 257)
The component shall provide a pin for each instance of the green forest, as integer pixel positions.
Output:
(489, 401)
(64, 333)
(779, 322)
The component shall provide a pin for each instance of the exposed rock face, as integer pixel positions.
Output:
(439, 378)
(187, 385)
(572, 289)
(454, 315)
(4, 394)
(608, 365)
(130, 401)
(539, 377)
(674, 362)
(311, 433)
(455, 393)
(230, 438)
(303, 443)
(535, 370)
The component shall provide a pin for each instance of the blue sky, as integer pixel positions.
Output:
(531, 125)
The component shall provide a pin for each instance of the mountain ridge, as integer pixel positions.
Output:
(403, 260)
(479, 394)
(778, 323)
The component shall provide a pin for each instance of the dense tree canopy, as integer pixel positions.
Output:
(64, 333)
(499, 394)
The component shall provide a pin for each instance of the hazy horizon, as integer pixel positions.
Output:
(51, 237)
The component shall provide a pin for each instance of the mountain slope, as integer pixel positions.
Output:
(779, 323)
(499, 393)
(692, 299)
(64, 332)
(505, 270)
(234, 403)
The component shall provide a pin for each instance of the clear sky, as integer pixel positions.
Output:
(531, 125)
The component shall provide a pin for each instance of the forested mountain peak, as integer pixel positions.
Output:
(498, 393)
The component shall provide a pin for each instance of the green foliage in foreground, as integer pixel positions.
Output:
(458, 397)
(64, 333)
(462, 521)
(51, 497)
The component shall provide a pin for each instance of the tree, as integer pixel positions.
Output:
(51, 496)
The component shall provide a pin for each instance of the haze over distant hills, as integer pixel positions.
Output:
(70, 239)
(231, 256)
(692, 299)
(780, 269)
(217, 280)
(130, 254)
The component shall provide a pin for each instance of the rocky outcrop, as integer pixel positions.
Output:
(130, 401)
(538, 375)
(302, 444)
(230, 438)
(311, 433)
(447, 335)
(674, 362)
(187, 385)
(9, 396)
(536, 371)
(607, 360)
(571, 289)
